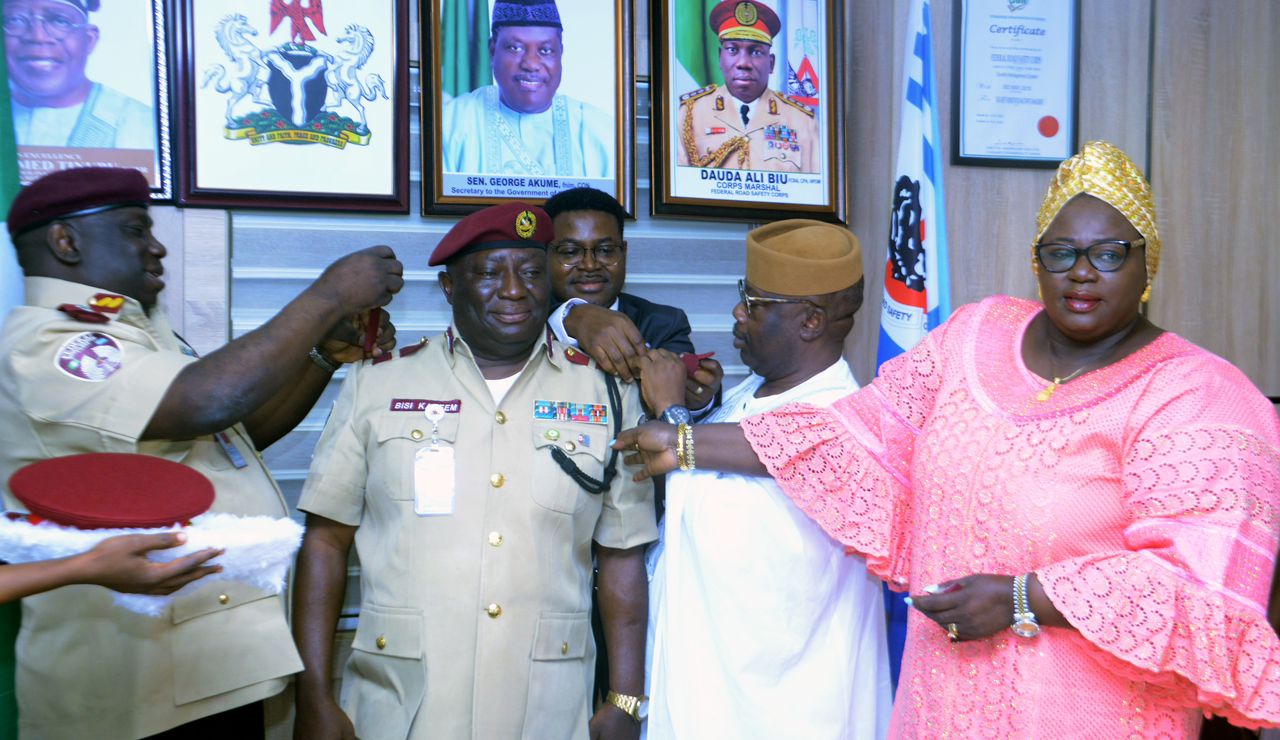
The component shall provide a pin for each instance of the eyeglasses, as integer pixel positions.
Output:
(748, 300)
(1105, 256)
(56, 26)
(570, 255)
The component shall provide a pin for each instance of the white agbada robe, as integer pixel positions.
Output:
(759, 625)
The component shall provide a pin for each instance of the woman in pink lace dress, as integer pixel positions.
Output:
(1092, 501)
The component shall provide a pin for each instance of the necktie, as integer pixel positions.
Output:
(743, 110)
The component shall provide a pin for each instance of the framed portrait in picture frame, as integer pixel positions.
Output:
(89, 86)
(747, 96)
(524, 98)
(294, 104)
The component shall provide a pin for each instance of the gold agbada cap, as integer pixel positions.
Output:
(1103, 171)
(801, 257)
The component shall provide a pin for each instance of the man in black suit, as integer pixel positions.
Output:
(588, 264)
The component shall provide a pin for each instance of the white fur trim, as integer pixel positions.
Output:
(259, 550)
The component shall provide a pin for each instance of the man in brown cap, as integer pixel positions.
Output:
(760, 625)
(91, 364)
(472, 473)
(47, 46)
(742, 124)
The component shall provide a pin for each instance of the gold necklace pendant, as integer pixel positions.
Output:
(1047, 393)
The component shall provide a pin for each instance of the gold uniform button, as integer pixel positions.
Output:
(416, 435)
(493, 610)
(552, 434)
(496, 480)
(564, 648)
(495, 539)
(500, 417)
(223, 599)
(570, 446)
(381, 642)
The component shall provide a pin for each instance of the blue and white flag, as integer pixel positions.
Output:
(917, 291)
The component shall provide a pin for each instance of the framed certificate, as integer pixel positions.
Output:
(294, 104)
(1016, 82)
(89, 85)
(747, 101)
(524, 99)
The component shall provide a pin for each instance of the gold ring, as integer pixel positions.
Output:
(953, 632)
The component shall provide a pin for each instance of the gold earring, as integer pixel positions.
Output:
(1146, 294)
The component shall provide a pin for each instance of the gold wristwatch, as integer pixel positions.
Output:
(636, 707)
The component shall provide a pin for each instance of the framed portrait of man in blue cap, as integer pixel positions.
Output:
(747, 100)
(523, 99)
(89, 85)
(294, 104)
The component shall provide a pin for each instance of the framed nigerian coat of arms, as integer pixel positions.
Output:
(294, 104)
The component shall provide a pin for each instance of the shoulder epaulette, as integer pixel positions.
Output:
(697, 93)
(405, 352)
(83, 313)
(576, 356)
(803, 108)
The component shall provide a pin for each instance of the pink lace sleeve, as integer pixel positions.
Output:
(847, 466)
(1185, 606)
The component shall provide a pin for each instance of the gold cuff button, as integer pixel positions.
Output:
(564, 648)
(496, 480)
(381, 642)
(500, 417)
(223, 599)
(493, 610)
(495, 539)
(416, 435)
(552, 434)
(570, 446)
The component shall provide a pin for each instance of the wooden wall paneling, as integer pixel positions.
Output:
(206, 259)
(1216, 174)
(1115, 48)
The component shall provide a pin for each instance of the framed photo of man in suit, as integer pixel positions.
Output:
(89, 85)
(523, 99)
(747, 97)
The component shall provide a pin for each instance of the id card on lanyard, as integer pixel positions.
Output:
(433, 471)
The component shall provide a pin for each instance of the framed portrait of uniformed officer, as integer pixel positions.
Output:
(89, 86)
(294, 104)
(523, 99)
(747, 97)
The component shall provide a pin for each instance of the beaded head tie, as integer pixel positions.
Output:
(1100, 169)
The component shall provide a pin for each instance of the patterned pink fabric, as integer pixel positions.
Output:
(1144, 495)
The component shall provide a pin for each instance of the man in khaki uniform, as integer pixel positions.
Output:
(90, 364)
(469, 473)
(743, 125)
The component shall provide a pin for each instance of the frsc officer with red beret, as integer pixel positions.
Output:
(89, 364)
(472, 473)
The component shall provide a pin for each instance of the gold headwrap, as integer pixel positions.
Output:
(1106, 173)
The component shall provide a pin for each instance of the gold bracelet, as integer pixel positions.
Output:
(684, 447)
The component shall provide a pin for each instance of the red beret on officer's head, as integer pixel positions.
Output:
(745, 20)
(73, 192)
(112, 490)
(513, 225)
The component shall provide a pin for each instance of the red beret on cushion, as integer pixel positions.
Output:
(513, 225)
(73, 192)
(112, 490)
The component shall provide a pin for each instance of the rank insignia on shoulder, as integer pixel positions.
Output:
(384, 357)
(406, 351)
(802, 107)
(106, 303)
(84, 313)
(697, 93)
(577, 356)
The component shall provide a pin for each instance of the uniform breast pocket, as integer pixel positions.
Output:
(584, 446)
(400, 436)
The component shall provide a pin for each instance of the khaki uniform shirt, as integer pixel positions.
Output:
(475, 623)
(781, 134)
(86, 668)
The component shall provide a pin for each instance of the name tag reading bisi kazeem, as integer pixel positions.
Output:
(433, 471)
